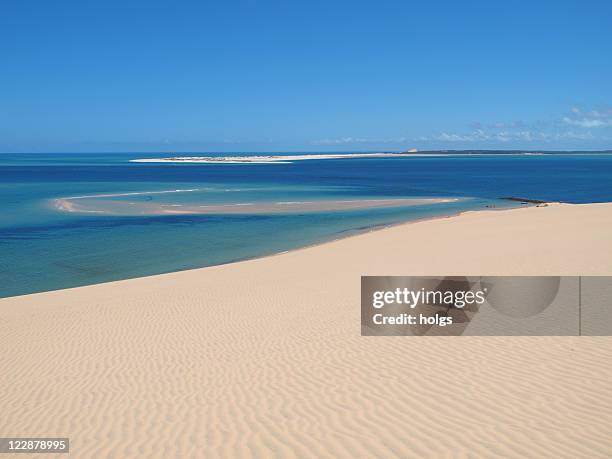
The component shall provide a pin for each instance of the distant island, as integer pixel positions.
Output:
(271, 158)
(285, 159)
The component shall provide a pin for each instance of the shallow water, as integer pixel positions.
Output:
(44, 248)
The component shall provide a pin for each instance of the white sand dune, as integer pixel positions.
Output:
(264, 358)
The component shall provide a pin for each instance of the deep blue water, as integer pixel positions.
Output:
(42, 248)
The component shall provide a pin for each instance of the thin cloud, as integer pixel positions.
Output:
(574, 126)
(507, 136)
(589, 119)
(587, 123)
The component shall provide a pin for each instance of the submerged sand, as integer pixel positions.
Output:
(264, 358)
(110, 207)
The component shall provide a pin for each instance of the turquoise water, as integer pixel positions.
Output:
(44, 248)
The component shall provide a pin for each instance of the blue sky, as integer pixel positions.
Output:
(304, 76)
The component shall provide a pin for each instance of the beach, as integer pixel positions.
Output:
(264, 358)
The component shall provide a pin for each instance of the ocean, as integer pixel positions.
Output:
(115, 235)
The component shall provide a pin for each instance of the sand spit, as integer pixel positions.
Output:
(278, 159)
(114, 207)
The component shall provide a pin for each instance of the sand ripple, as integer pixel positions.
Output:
(265, 359)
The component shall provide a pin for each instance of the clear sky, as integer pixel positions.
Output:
(304, 76)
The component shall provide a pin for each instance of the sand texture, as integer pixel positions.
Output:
(264, 358)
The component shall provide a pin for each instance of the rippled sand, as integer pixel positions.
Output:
(264, 358)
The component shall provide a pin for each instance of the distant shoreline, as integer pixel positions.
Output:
(287, 159)
(343, 153)
(267, 159)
